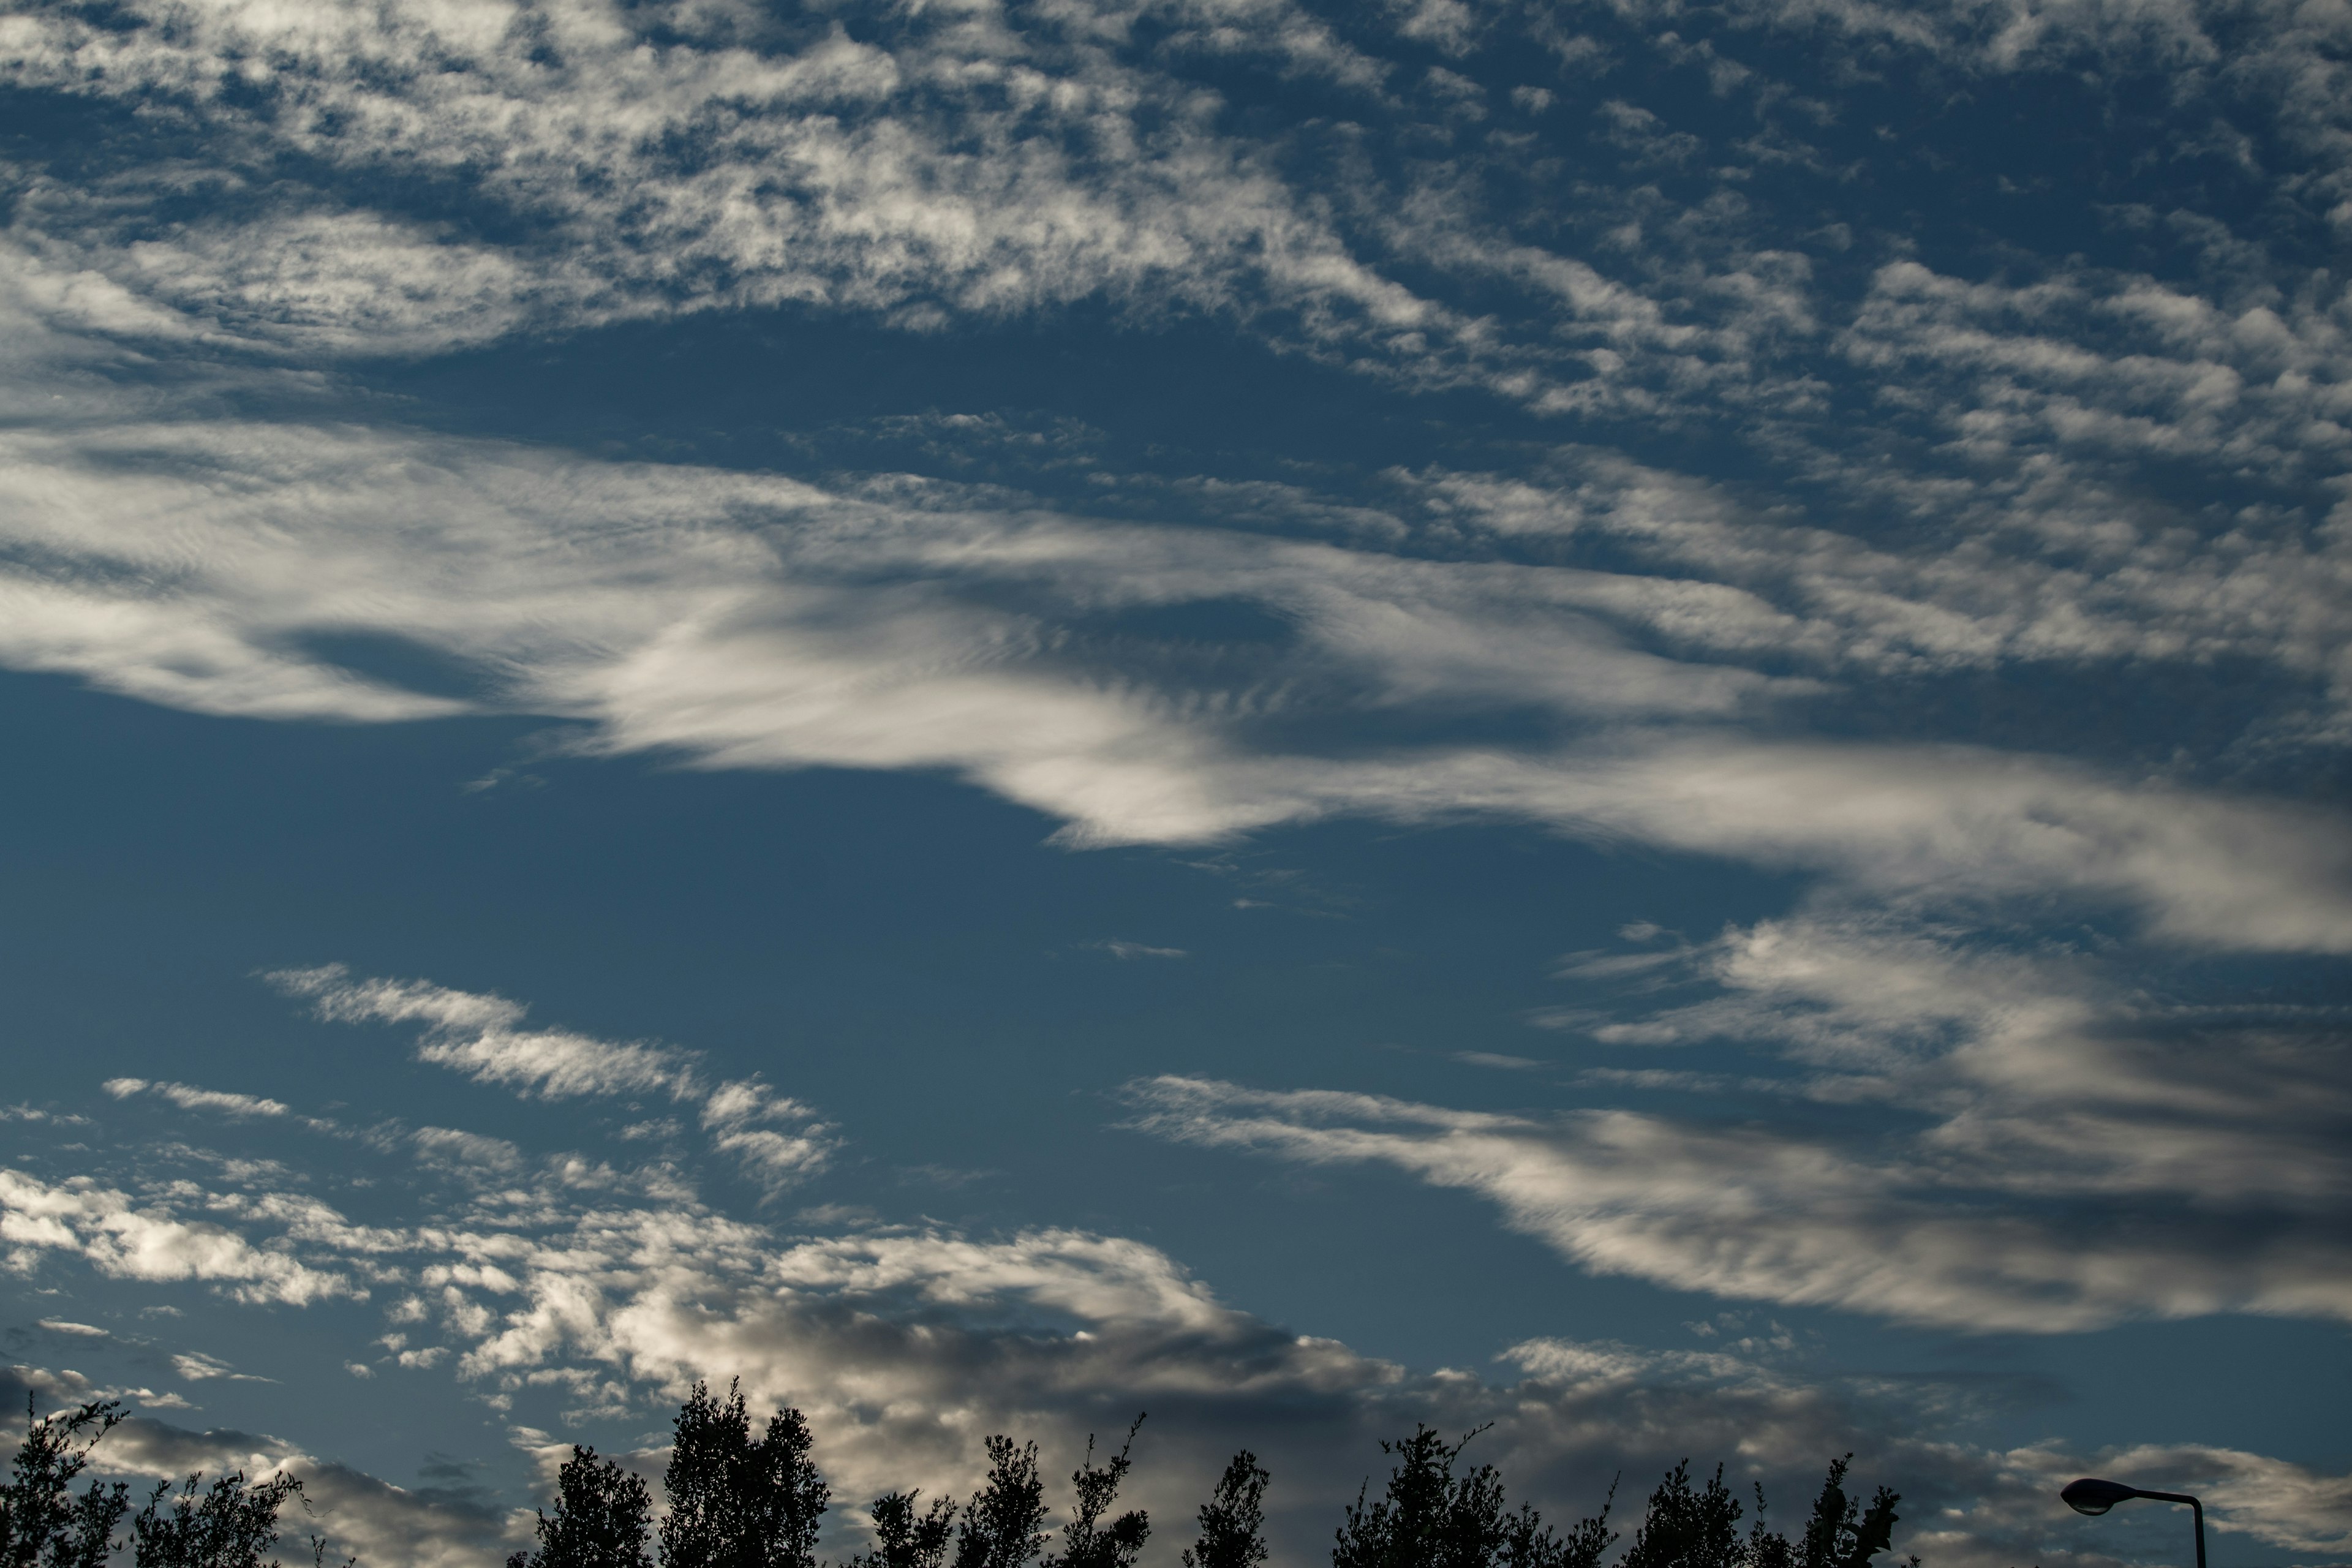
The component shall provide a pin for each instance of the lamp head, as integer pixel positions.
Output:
(2088, 1496)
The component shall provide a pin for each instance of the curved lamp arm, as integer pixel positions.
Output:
(2091, 1496)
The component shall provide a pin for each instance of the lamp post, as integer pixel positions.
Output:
(2094, 1497)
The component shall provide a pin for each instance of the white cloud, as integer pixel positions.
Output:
(35, 1114)
(777, 1141)
(197, 1367)
(673, 610)
(775, 1159)
(189, 1098)
(1932, 1234)
(479, 1036)
(2061, 568)
(944, 167)
(85, 1330)
(124, 1241)
(458, 1149)
(938, 166)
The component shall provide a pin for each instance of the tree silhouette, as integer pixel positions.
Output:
(739, 1502)
(1833, 1538)
(1529, 1542)
(1686, 1528)
(230, 1525)
(1233, 1520)
(1000, 1527)
(1696, 1529)
(1087, 1541)
(736, 1501)
(1426, 1518)
(904, 1539)
(601, 1519)
(42, 1523)
(1429, 1517)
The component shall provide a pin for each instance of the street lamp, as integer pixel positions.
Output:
(2088, 1496)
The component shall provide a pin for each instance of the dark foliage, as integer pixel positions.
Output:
(736, 1501)
(1527, 1542)
(1686, 1528)
(602, 1514)
(228, 1525)
(1001, 1524)
(904, 1539)
(1087, 1541)
(42, 1523)
(1834, 1538)
(1232, 1521)
(1429, 1517)
(1698, 1529)
(739, 1502)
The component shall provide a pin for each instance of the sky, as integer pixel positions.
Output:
(1627, 722)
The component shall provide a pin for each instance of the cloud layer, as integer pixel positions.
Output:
(607, 1289)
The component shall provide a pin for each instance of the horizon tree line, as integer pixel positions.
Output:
(737, 1500)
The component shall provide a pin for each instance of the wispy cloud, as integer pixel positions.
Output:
(777, 1141)
(1125, 950)
(2118, 1226)
(480, 1037)
(197, 1367)
(83, 1330)
(770, 648)
(188, 1098)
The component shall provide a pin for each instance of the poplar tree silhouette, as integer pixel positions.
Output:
(1233, 1521)
(602, 1515)
(1087, 1541)
(42, 1523)
(1000, 1527)
(230, 1525)
(736, 1501)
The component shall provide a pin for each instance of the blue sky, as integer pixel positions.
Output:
(1625, 720)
